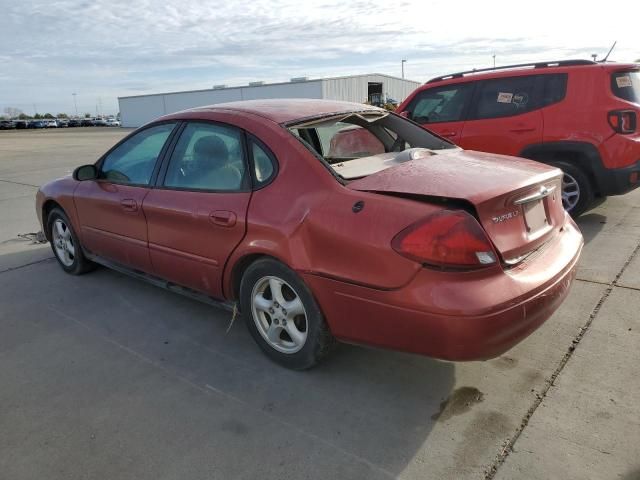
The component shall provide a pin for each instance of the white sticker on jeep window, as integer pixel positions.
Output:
(520, 100)
(623, 81)
(505, 97)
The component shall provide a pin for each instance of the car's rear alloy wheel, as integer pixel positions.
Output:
(282, 315)
(65, 244)
(279, 314)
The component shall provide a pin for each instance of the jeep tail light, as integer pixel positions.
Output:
(448, 239)
(623, 121)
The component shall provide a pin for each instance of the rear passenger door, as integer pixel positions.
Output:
(505, 116)
(442, 110)
(196, 215)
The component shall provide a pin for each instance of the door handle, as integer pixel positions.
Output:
(129, 204)
(223, 218)
(449, 134)
(522, 129)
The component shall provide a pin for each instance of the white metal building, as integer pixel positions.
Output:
(140, 109)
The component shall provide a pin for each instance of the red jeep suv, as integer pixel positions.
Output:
(578, 115)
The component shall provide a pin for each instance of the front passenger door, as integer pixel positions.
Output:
(112, 222)
(442, 110)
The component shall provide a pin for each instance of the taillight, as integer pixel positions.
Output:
(623, 121)
(448, 239)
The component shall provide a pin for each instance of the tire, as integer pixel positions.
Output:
(289, 326)
(65, 244)
(575, 181)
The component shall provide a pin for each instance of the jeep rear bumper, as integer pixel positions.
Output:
(618, 181)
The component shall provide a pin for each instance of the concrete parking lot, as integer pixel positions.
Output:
(105, 377)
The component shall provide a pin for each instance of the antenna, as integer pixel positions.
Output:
(610, 50)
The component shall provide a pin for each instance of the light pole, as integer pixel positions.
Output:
(402, 63)
(494, 60)
(75, 104)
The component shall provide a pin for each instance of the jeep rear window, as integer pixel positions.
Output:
(626, 85)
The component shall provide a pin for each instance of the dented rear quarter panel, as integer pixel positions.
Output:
(305, 219)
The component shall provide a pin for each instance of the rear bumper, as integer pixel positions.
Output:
(455, 316)
(618, 181)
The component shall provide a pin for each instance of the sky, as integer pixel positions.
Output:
(103, 49)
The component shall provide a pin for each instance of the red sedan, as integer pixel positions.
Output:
(325, 220)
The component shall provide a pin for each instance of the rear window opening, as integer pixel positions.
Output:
(626, 85)
(355, 145)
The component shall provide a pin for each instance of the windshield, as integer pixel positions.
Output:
(358, 144)
(626, 85)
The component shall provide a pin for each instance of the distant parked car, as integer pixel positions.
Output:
(22, 124)
(6, 125)
(577, 115)
(86, 122)
(99, 122)
(401, 240)
(112, 122)
(50, 123)
(62, 122)
(38, 124)
(74, 122)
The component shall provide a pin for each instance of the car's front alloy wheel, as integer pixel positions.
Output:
(65, 244)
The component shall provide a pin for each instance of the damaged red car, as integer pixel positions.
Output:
(325, 221)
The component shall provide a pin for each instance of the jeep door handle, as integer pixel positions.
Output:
(449, 134)
(129, 204)
(522, 129)
(223, 218)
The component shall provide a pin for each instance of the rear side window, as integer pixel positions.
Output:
(555, 88)
(441, 104)
(626, 85)
(207, 157)
(264, 163)
(504, 97)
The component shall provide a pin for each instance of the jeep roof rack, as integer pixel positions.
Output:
(560, 63)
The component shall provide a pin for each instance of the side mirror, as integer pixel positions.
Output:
(404, 113)
(85, 172)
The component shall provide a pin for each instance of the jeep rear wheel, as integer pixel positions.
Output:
(577, 192)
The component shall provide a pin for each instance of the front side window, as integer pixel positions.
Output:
(207, 157)
(133, 161)
(441, 104)
(503, 97)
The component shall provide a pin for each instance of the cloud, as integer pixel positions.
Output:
(102, 49)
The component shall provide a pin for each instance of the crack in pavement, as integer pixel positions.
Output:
(507, 447)
(20, 183)
(11, 269)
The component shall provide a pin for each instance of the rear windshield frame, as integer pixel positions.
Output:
(429, 139)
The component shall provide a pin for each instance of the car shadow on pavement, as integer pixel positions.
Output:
(371, 406)
(631, 475)
(590, 225)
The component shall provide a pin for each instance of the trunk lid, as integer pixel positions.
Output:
(517, 201)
